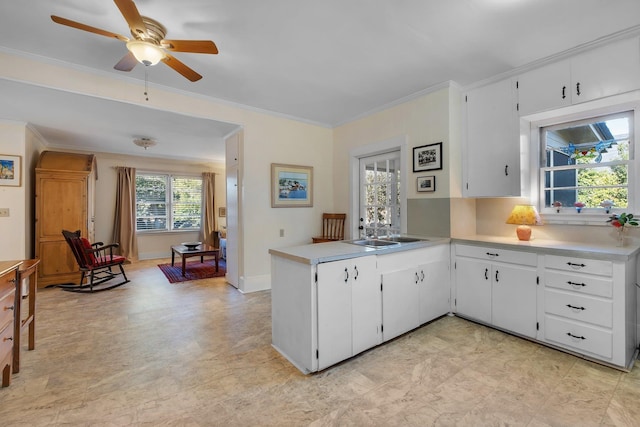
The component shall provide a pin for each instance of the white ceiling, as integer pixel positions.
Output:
(324, 62)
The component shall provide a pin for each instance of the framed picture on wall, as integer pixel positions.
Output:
(426, 184)
(291, 186)
(222, 212)
(427, 157)
(10, 170)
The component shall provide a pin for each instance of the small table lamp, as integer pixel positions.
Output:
(524, 216)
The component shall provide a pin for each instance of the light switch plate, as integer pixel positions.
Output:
(4, 212)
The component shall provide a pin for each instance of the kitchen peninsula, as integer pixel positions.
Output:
(332, 301)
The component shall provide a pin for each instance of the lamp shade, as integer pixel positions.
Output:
(524, 216)
(145, 52)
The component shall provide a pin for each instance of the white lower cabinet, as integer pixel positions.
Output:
(497, 287)
(349, 318)
(415, 288)
(583, 305)
(589, 307)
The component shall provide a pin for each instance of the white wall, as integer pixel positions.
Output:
(434, 117)
(267, 139)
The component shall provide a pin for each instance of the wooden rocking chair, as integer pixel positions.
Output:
(95, 261)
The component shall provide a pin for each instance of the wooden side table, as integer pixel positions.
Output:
(28, 268)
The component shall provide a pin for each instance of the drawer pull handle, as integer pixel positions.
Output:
(422, 275)
(417, 278)
(12, 281)
(575, 336)
(486, 274)
(346, 275)
(573, 264)
(574, 284)
(497, 276)
(8, 339)
(573, 307)
(491, 254)
(9, 307)
(357, 273)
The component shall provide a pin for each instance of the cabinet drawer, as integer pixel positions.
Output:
(582, 283)
(498, 255)
(7, 283)
(581, 337)
(6, 340)
(582, 265)
(579, 307)
(7, 308)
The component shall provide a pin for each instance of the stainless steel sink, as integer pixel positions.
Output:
(373, 242)
(401, 239)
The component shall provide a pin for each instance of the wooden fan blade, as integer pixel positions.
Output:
(192, 46)
(79, 26)
(132, 16)
(126, 63)
(181, 68)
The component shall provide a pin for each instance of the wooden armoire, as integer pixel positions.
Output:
(65, 187)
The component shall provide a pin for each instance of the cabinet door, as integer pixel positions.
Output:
(473, 289)
(434, 290)
(334, 313)
(545, 88)
(513, 299)
(400, 306)
(492, 154)
(366, 304)
(606, 71)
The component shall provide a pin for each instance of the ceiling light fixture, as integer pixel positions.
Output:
(146, 53)
(144, 142)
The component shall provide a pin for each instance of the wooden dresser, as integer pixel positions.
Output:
(65, 184)
(8, 280)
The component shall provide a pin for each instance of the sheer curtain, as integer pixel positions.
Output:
(124, 227)
(208, 212)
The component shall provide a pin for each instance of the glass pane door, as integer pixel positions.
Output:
(380, 195)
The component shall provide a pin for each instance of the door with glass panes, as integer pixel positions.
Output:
(380, 195)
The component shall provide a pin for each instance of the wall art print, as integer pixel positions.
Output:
(291, 186)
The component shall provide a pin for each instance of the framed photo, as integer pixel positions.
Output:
(222, 212)
(426, 184)
(427, 157)
(10, 170)
(291, 186)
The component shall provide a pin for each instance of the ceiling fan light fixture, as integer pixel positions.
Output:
(146, 53)
(144, 142)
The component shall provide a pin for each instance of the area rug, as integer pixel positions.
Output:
(195, 270)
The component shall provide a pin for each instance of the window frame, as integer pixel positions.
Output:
(169, 203)
(569, 215)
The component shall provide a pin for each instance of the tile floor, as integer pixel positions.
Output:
(198, 354)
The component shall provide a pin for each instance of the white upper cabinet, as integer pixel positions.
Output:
(545, 88)
(492, 151)
(598, 73)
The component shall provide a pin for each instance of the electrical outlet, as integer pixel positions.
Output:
(281, 231)
(4, 212)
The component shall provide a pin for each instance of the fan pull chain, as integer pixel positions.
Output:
(146, 84)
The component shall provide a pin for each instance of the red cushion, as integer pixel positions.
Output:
(89, 257)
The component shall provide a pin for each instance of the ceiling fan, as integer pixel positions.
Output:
(148, 45)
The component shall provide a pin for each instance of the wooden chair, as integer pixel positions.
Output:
(332, 228)
(96, 260)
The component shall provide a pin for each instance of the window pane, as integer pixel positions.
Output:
(151, 206)
(187, 202)
(587, 161)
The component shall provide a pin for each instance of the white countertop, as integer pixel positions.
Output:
(556, 247)
(334, 251)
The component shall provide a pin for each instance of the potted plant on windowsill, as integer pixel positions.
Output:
(579, 206)
(622, 222)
